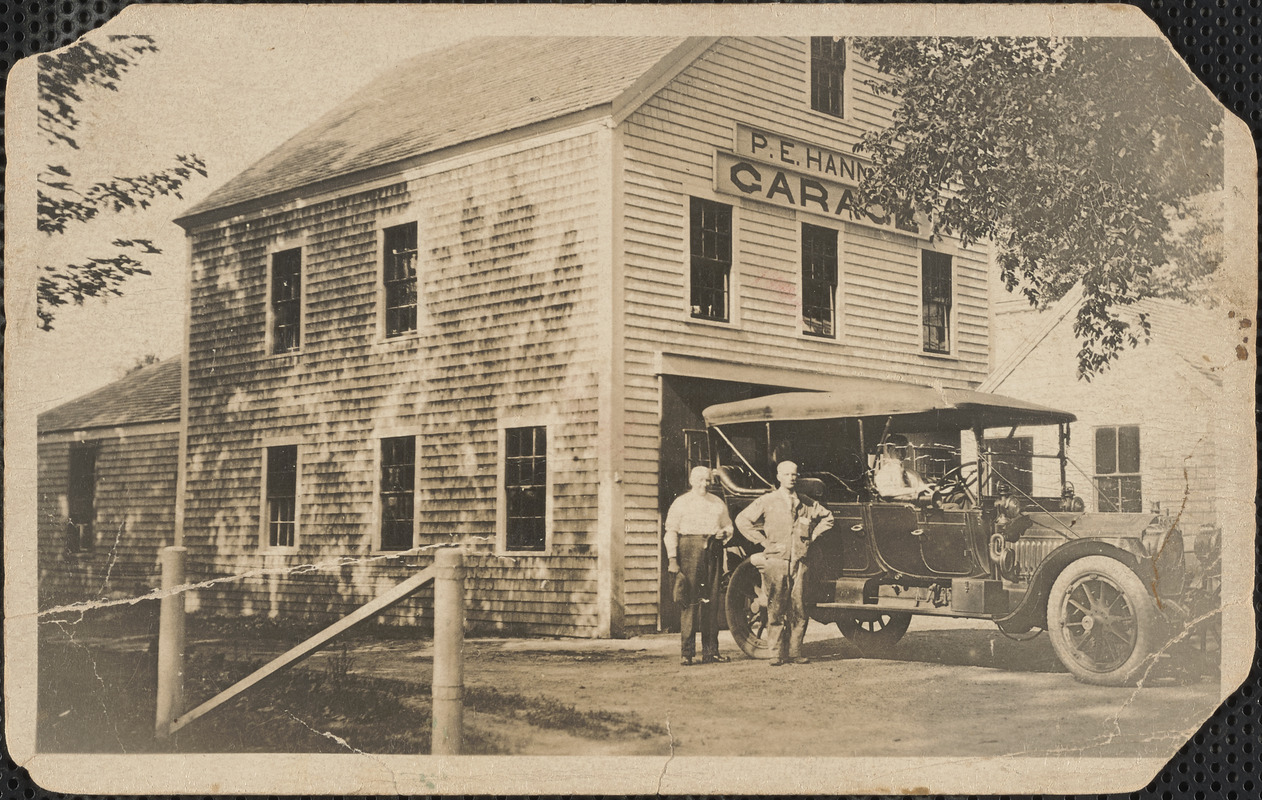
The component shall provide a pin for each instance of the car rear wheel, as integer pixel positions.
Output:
(874, 632)
(1101, 621)
(746, 608)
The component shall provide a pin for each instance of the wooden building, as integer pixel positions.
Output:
(1148, 434)
(107, 487)
(484, 300)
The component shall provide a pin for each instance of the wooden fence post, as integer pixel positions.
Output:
(448, 682)
(170, 641)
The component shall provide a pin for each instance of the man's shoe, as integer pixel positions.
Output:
(777, 661)
(800, 660)
(715, 659)
(686, 661)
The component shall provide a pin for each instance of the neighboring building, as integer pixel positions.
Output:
(1145, 435)
(484, 300)
(107, 473)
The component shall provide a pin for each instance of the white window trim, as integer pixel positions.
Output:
(952, 354)
(799, 317)
(551, 427)
(298, 243)
(265, 445)
(847, 88)
(1096, 474)
(378, 437)
(734, 282)
(395, 221)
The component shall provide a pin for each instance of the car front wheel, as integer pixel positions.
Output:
(1102, 621)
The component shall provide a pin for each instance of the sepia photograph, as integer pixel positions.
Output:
(624, 400)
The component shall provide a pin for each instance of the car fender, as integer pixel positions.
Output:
(1032, 611)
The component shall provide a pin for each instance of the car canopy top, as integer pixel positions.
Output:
(908, 407)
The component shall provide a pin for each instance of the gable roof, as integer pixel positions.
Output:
(459, 94)
(150, 394)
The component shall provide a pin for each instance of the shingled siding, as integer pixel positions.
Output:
(668, 148)
(506, 336)
(135, 516)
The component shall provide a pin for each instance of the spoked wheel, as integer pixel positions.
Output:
(746, 607)
(1101, 621)
(874, 632)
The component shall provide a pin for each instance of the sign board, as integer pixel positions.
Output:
(801, 176)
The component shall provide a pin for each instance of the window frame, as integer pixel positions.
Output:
(844, 87)
(265, 545)
(501, 491)
(383, 307)
(950, 321)
(78, 542)
(301, 300)
(1117, 474)
(378, 544)
(835, 336)
(733, 305)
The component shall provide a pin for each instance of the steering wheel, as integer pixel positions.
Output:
(959, 485)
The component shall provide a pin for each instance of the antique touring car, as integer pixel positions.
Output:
(998, 533)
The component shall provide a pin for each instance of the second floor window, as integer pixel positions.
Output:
(710, 240)
(399, 277)
(1118, 482)
(936, 301)
(828, 75)
(819, 281)
(282, 495)
(286, 301)
(526, 488)
(398, 492)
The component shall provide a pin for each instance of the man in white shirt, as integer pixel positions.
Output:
(893, 479)
(693, 521)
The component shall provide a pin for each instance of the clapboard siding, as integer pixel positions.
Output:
(135, 515)
(508, 282)
(668, 147)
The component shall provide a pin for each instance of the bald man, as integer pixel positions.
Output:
(784, 523)
(695, 519)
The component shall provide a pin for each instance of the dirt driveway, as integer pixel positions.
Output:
(953, 688)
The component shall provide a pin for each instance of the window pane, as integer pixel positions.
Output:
(710, 239)
(819, 280)
(1108, 497)
(399, 277)
(936, 295)
(282, 495)
(1128, 449)
(398, 492)
(525, 488)
(828, 71)
(286, 300)
(1131, 499)
(1105, 451)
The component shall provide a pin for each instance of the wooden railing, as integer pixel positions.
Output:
(447, 573)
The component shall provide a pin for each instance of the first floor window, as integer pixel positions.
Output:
(398, 492)
(936, 301)
(81, 498)
(1118, 482)
(819, 281)
(710, 240)
(282, 495)
(399, 276)
(828, 75)
(526, 488)
(286, 301)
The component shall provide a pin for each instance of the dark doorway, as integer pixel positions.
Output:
(683, 446)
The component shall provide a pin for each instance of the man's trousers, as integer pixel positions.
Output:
(784, 599)
(697, 593)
